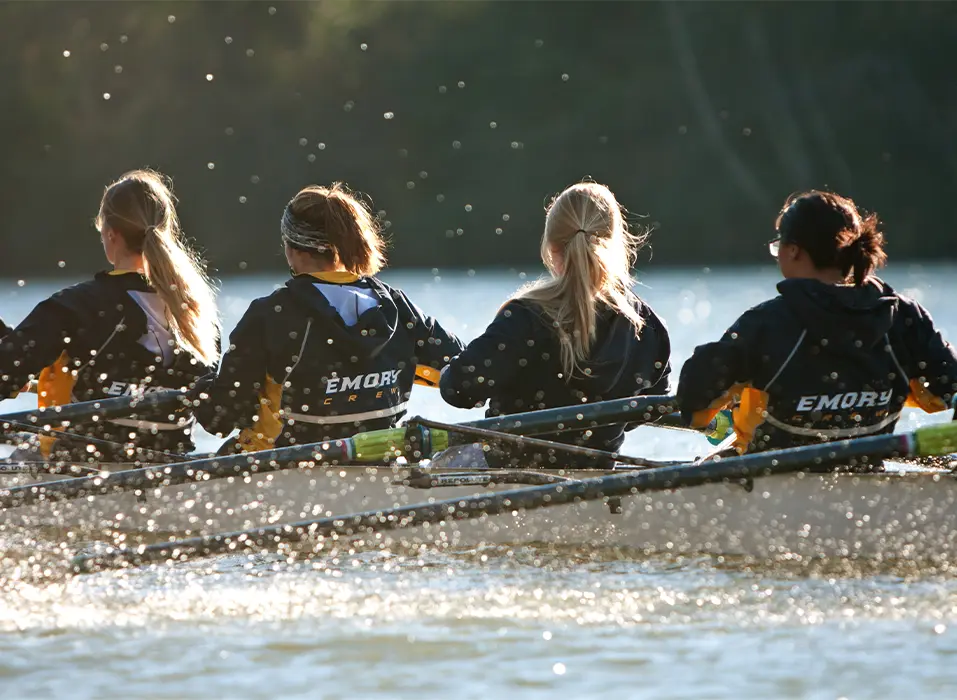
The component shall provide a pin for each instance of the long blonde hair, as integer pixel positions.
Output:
(589, 252)
(140, 207)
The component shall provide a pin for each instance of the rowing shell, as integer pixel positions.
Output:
(904, 513)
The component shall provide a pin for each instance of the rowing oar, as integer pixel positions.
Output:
(522, 441)
(372, 447)
(121, 406)
(924, 442)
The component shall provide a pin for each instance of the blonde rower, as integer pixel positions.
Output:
(150, 323)
(579, 336)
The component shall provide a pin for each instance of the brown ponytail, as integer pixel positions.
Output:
(334, 224)
(832, 231)
(140, 208)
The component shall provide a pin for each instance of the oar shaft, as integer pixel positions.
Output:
(120, 406)
(524, 499)
(524, 441)
(371, 447)
(637, 409)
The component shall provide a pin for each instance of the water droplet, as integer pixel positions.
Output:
(106, 95)
(440, 198)
(124, 39)
(311, 157)
(461, 84)
(539, 43)
(504, 217)
(493, 125)
(211, 165)
(303, 142)
(229, 131)
(682, 129)
(559, 669)
(66, 54)
(546, 635)
(250, 53)
(498, 232)
(940, 629)
(243, 265)
(104, 46)
(272, 10)
(61, 263)
(242, 199)
(254, 179)
(363, 46)
(456, 144)
(228, 40)
(410, 185)
(20, 283)
(468, 207)
(564, 77)
(348, 106)
(321, 146)
(209, 77)
(746, 131)
(516, 145)
(171, 19)
(117, 69)
(443, 89)
(388, 115)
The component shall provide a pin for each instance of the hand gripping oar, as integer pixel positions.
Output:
(924, 442)
(372, 447)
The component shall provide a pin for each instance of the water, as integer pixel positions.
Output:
(523, 622)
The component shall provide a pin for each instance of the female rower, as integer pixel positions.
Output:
(333, 352)
(580, 336)
(836, 354)
(150, 323)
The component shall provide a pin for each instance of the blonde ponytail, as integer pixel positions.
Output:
(589, 252)
(141, 208)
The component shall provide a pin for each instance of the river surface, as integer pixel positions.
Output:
(499, 622)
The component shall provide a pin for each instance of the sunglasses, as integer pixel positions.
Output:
(774, 246)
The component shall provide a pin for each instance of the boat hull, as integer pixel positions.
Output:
(907, 514)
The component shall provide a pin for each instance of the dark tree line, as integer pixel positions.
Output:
(461, 118)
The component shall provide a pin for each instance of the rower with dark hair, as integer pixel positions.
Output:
(837, 354)
(333, 352)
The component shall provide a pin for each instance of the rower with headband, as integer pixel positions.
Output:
(335, 350)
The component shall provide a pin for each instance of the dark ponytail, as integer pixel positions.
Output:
(833, 233)
(864, 252)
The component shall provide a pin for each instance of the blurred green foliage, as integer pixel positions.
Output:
(460, 119)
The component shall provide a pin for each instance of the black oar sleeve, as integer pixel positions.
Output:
(709, 376)
(929, 361)
(234, 395)
(34, 345)
(435, 346)
(491, 361)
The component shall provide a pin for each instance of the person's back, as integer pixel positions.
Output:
(580, 337)
(334, 351)
(826, 359)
